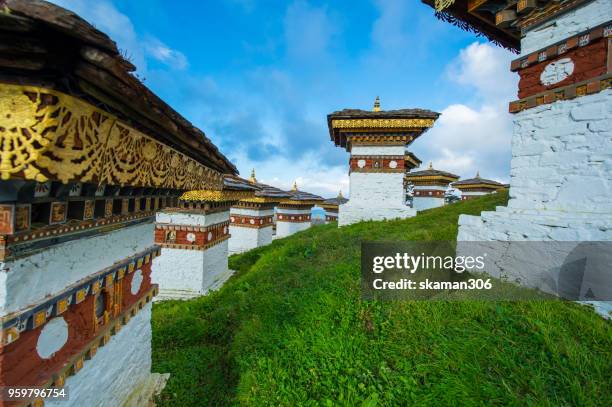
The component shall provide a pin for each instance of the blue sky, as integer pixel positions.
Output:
(259, 77)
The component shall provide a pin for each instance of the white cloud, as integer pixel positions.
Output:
(308, 172)
(466, 139)
(485, 68)
(168, 56)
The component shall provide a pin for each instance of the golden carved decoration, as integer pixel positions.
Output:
(381, 123)
(443, 4)
(300, 203)
(216, 196)
(261, 199)
(50, 135)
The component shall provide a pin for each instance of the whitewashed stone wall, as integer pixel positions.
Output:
(244, 239)
(561, 176)
(421, 203)
(117, 369)
(568, 24)
(183, 274)
(561, 167)
(375, 196)
(378, 150)
(284, 229)
(28, 280)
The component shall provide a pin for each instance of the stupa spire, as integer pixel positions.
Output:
(294, 186)
(340, 194)
(478, 174)
(376, 104)
(253, 179)
(430, 165)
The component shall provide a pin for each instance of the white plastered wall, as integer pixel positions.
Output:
(117, 369)
(561, 167)
(28, 280)
(284, 229)
(420, 203)
(375, 196)
(183, 273)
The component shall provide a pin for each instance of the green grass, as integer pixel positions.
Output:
(290, 329)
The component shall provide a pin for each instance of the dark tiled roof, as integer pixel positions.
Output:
(477, 181)
(382, 114)
(268, 191)
(296, 195)
(339, 200)
(431, 172)
(236, 183)
(66, 53)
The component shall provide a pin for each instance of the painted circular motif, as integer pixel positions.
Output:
(52, 338)
(361, 163)
(232, 219)
(557, 71)
(191, 237)
(392, 164)
(136, 282)
(252, 221)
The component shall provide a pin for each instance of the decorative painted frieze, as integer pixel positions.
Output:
(191, 237)
(434, 193)
(376, 163)
(54, 136)
(578, 66)
(20, 244)
(251, 221)
(47, 360)
(15, 324)
(382, 123)
(569, 92)
(294, 218)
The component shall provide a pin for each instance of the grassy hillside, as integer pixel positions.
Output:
(290, 329)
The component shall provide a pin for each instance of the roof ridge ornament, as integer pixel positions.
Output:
(376, 104)
(478, 174)
(252, 178)
(340, 194)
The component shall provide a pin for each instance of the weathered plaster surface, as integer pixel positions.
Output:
(117, 368)
(28, 280)
(571, 23)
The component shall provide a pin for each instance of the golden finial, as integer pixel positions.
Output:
(294, 186)
(377, 104)
(477, 174)
(252, 179)
(430, 165)
(340, 194)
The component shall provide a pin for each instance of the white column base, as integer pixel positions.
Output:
(284, 229)
(350, 214)
(183, 274)
(507, 224)
(245, 238)
(423, 203)
(117, 370)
